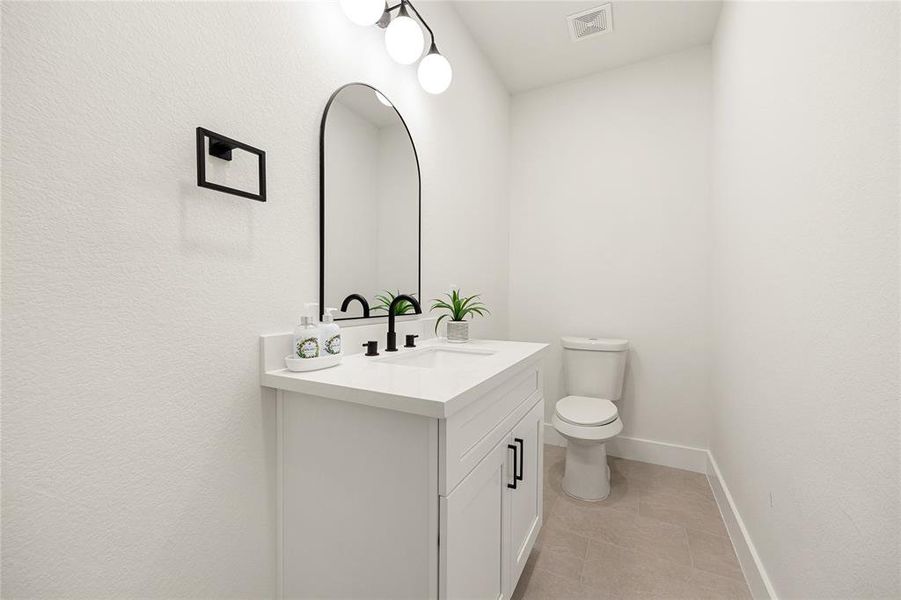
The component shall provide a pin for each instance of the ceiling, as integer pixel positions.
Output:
(529, 45)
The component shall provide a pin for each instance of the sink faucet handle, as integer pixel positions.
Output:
(411, 340)
(372, 348)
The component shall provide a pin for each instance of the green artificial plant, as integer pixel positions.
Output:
(459, 307)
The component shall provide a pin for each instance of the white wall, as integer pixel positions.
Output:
(609, 231)
(805, 280)
(138, 447)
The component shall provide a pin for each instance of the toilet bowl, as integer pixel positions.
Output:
(587, 476)
(594, 371)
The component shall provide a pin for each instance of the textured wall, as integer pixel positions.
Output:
(805, 352)
(609, 231)
(138, 448)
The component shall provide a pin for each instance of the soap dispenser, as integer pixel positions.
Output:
(306, 335)
(330, 333)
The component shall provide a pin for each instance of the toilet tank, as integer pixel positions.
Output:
(594, 367)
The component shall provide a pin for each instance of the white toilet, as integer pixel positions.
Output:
(587, 418)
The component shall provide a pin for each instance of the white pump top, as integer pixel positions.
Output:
(327, 316)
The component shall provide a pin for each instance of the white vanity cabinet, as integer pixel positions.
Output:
(400, 482)
(526, 500)
(489, 521)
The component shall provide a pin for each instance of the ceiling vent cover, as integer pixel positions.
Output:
(590, 23)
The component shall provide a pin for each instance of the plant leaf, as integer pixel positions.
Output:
(438, 322)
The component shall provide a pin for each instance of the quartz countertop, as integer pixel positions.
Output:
(435, 392)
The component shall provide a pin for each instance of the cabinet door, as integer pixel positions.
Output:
(473, 549)
(526, 499)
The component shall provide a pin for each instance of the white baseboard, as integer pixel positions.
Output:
(698, 460)
(649, 451)
(755, 574)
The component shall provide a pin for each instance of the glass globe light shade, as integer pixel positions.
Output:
(435, 73)
(404, 40)
(363, 12)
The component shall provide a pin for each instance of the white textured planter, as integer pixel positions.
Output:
(458, 331)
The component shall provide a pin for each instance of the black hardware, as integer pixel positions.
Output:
(411, 341)
(372, 348)
(512, 486)
(522, 458)
(322, 193)
(221, 147)
(392, 335)
(358, 298)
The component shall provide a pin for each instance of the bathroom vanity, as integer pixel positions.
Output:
(414, 474)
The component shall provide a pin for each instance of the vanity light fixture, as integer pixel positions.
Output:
(363, 12)
(404, 39)
(434, 72)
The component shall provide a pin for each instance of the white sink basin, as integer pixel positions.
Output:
(439, 358)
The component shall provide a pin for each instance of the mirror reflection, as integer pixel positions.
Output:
(369, 204)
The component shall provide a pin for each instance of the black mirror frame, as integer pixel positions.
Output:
(328, 105)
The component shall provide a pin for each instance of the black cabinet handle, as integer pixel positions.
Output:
(522, 458)
(512, 486)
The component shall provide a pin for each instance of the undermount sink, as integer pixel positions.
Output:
(439, 358)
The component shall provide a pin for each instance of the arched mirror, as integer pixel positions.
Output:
(369, 204)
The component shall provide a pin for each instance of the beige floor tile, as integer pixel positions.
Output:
(659, 536)
(565, 567)
(629, 530)
(655, 477)
(553, 475)
(560, 551)
(681, 507)
(563, 541)
(553, 462)
(707, 586)
(626, 573)
(714, 554)
(539, 584)
(548, 502)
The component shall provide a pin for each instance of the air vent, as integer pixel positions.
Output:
(590, 23)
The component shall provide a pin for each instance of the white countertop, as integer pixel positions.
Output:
(429, 392)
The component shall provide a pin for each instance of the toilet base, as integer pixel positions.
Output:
(586, 476)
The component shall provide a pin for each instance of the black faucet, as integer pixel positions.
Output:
(361, 300)
(392, 335)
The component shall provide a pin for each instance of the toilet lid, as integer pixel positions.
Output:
(581, 410)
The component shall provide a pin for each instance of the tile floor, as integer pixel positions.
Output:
(658, 535)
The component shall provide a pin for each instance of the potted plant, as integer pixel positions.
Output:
(458, 307)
